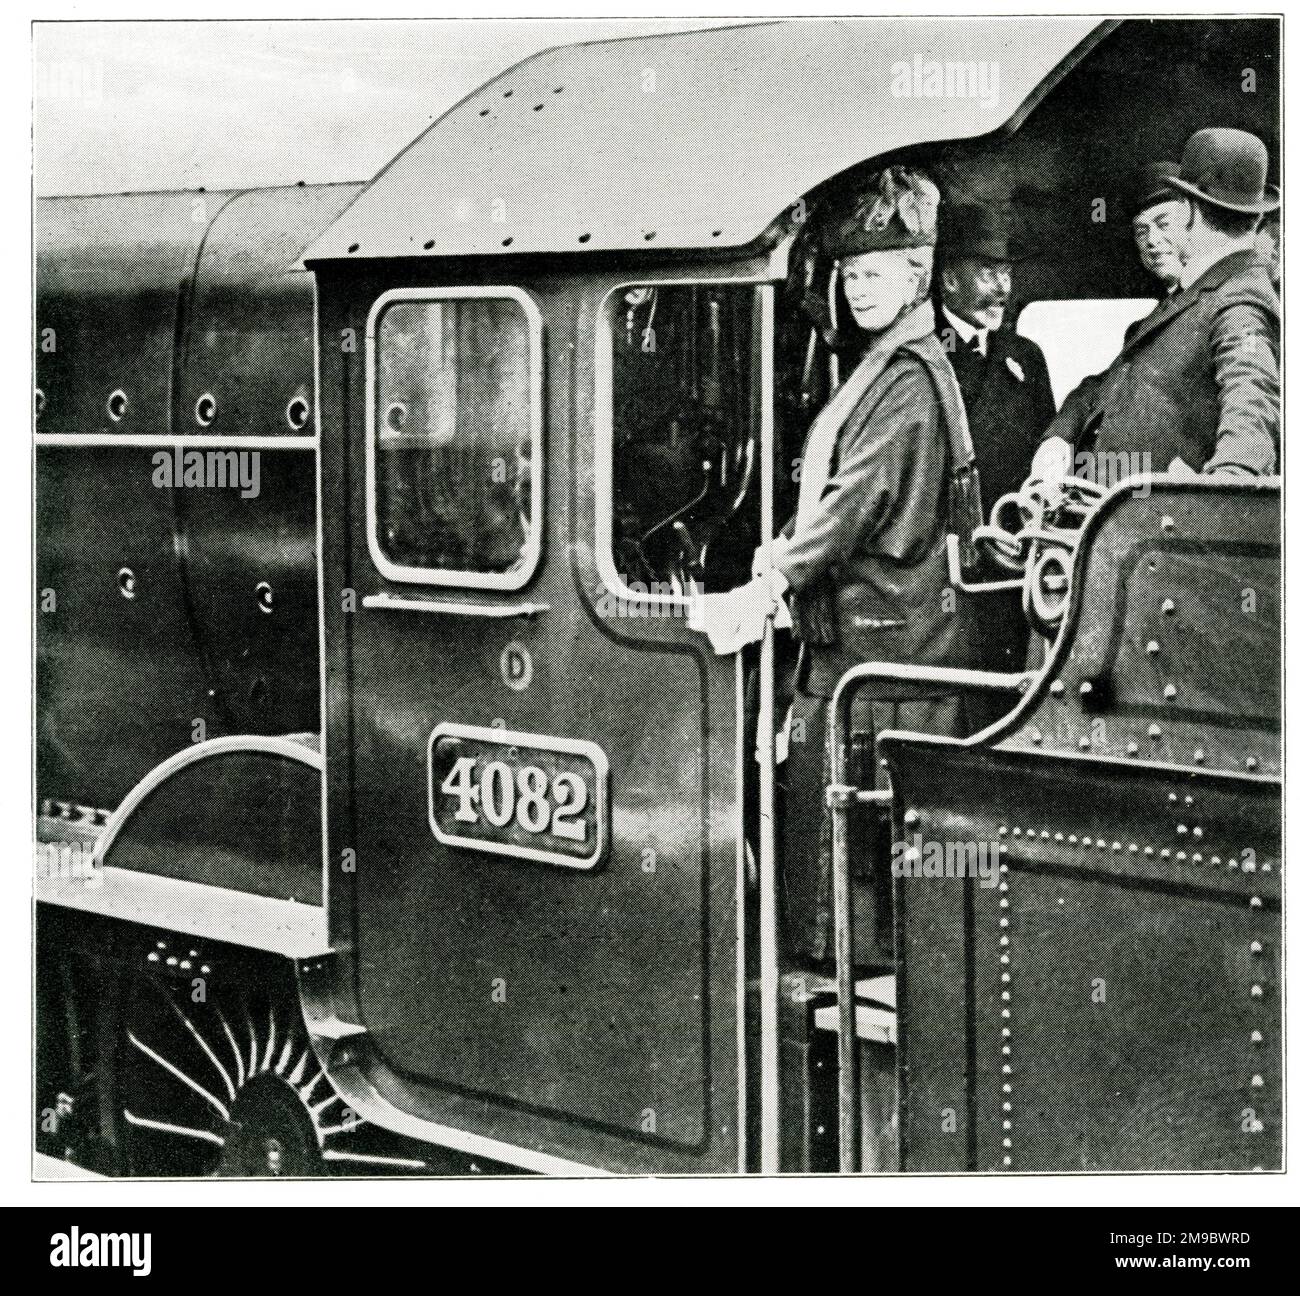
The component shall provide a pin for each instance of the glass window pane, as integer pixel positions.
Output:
(685, 422)
(454, 434)
(1079, 338)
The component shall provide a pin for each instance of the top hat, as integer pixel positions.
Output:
(1226, 168)
(973, 230)
(897, 209)
(1153, 186)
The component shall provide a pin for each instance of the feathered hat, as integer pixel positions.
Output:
(898, 208)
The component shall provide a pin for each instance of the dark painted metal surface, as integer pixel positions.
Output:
(1110, 1000)
(247, 821)
(120, 682)
(112, 277)
(249, 333)
(611, 1038)
(165, 298)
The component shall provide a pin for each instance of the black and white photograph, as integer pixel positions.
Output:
(672, 600)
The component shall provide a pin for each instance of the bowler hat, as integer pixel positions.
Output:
(1152, 186)
(1226, 168)
(897, 209)
(974, 230)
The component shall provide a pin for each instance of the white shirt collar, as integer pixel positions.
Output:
(1194, 269)
(967, 331)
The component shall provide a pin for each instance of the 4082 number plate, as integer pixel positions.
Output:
(530, 796)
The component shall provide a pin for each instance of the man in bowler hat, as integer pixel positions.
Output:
(1195, 388)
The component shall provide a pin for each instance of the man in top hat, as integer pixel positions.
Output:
(1003, 376)
(1157, 208)
(1005, 388)
(1158, 216)
(1195, 387)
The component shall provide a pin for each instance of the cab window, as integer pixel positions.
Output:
(1079, 338)
(682, 406)
(455, 411)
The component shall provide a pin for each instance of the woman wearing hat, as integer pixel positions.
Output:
(886, 473)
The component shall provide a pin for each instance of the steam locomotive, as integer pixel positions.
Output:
(390, 817)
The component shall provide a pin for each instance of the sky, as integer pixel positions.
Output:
(178, 105)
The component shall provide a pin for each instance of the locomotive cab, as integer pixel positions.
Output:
(642, 375)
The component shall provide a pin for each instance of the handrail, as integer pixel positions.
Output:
(497, 611)
(906, 683)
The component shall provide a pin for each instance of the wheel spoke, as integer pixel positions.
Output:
(270, 1044)
(305, 1094)
(320, 1106)
(284, 1056)
(184, 1131)
(180, 1075)
(234, 1048)
(295, 1076)
(341, 1129)
(205, 1046)
(401, 1162)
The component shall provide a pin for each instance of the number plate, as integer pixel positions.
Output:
(525, 795)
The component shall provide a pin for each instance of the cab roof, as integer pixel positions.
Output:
(694, 139)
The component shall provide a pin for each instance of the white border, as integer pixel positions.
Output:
(532, 550)
(925, 1192)
(542, 742)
